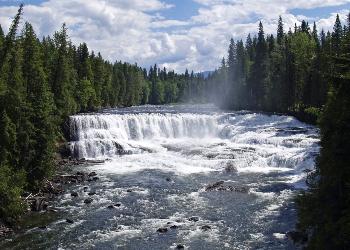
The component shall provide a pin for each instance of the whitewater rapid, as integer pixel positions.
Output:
(196, 142)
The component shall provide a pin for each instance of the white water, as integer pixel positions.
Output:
(195, 142)
(160, 159)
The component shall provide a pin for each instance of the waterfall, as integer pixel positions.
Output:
(107, 134)
(112, 134)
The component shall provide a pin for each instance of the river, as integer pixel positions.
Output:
(160, 162)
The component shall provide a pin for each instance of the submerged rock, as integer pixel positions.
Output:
(214, 186)
(206, 228)
(70, 221)
(194, 219)
(92, 174)
(88, 201)
(74, 194)
(230, 168)
(220, 186)
(162, 230)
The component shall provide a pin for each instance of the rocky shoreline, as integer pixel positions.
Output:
(42, 201)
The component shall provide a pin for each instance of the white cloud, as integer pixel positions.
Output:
(136, 30)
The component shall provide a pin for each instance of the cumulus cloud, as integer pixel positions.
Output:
(137, 31)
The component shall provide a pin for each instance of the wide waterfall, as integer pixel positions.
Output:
(105, 135)
(191, 176)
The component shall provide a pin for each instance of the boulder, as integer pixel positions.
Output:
(194, 219)
(74, 194)
(88, 201)
(206, 228)
(214, 186)
(92, 174)
(162, 230)
(70, 221)
(180, 246)
(230, 167)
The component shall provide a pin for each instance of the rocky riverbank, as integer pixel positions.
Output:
(41, 203)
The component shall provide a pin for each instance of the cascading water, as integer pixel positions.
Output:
(160, 163)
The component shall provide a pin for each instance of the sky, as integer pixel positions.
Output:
(177, 34)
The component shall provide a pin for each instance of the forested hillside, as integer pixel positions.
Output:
(44, 81)
(304, 72)
(290, 72)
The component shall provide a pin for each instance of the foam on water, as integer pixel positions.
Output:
(160, 163)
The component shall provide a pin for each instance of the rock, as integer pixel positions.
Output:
(194, 219)
(42, 227)
(5, 231)
(219, 186)
(117, 204)
(129, 190)
(88, 201)
(168, 223)
(214, 186)
(230, 168)
(174, 227)
(70, 221)
(162, 230)
(74, 194)
(168, 179)
(92, 174)
(180, 246)
(297, 237)
(206, 228)
(92, 193)
(86, 189)
(110, 207)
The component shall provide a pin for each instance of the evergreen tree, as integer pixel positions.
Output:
(280, 31)
(337, 36)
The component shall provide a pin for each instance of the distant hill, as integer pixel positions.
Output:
(205, 74)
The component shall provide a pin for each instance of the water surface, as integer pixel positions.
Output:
(161, 159)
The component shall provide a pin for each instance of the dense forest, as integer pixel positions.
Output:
(44, 81)
(305, 73)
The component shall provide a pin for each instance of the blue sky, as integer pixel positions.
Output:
(177, 34)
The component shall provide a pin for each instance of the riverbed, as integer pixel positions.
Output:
(154, 189)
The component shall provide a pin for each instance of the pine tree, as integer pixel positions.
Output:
(40, 100)
(259, 72)
(62, 77)
(337, 36)
(11, 35)
(280, 31)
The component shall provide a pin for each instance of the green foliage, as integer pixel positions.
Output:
(11, 185)
(44, 82)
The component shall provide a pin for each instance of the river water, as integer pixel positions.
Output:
(160, 159)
